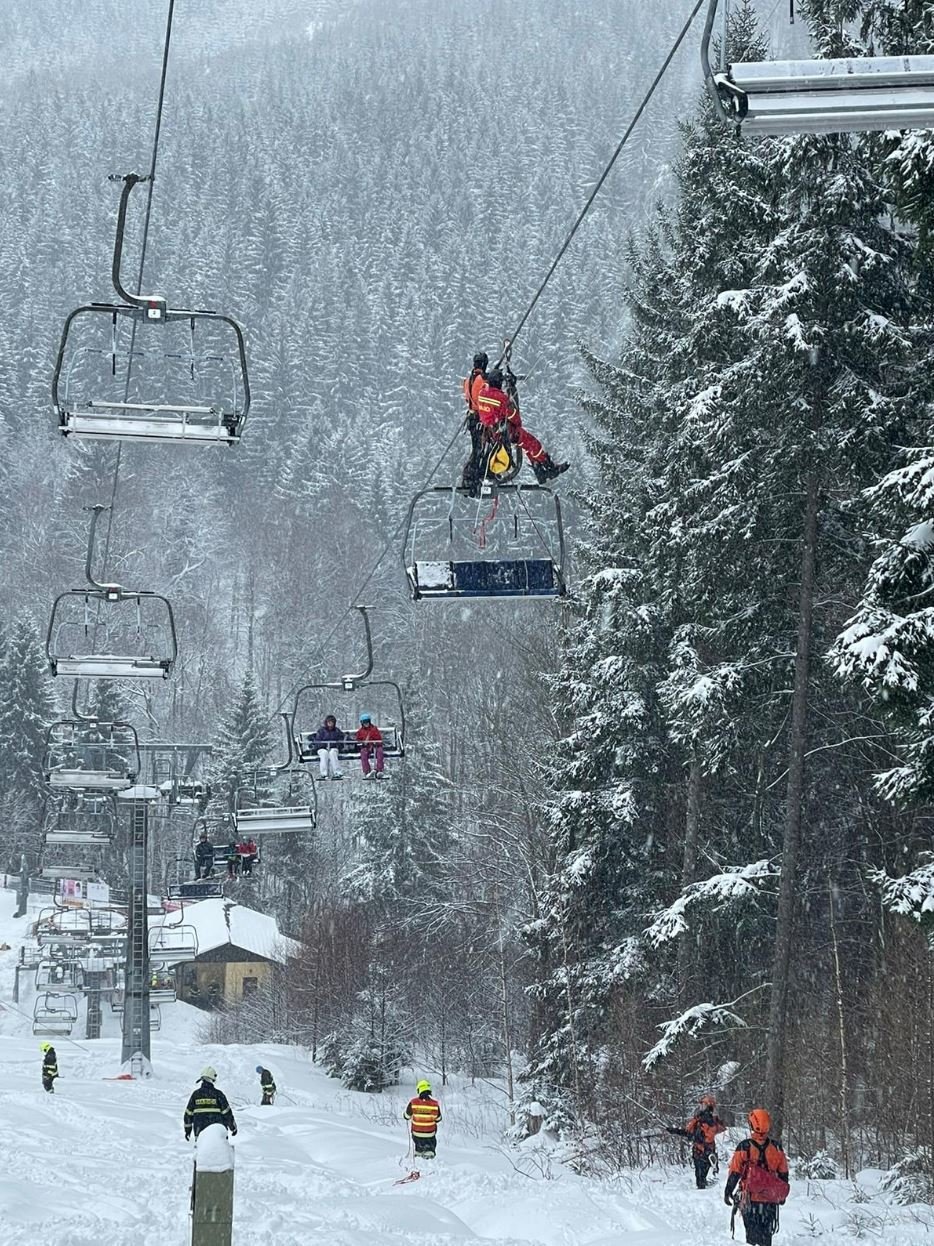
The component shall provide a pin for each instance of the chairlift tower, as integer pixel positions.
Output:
(136, 1049)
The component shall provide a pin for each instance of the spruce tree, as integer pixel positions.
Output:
(243, 745)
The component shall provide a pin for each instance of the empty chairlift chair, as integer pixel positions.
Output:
(275, 802)
(108, 631)
(83, 818)
(141, 370)
(54, 1014)
(90, 755)
(829, 96)
(171, 944)
(508, 543)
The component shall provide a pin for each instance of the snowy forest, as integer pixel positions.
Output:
(670, 834)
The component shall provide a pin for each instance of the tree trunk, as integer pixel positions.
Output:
(841, 1023)
(794, 801)
(689, 863)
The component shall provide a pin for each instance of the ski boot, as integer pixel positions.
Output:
(547, 469)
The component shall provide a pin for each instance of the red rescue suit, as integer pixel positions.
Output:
(494, 407)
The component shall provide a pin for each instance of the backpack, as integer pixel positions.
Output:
(760, 1184)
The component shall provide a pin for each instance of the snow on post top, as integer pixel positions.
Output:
(213, 1153)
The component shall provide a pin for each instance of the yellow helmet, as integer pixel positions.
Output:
(45, 1046)
(499, 462)
(422, 1087)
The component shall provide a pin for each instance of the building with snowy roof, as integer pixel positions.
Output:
(222, 951)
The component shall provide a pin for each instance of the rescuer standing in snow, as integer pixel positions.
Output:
(760, 1169)
(424, 1113)
(208, 1106)
(49, 1067)
(701, 1130)
(267, 1086)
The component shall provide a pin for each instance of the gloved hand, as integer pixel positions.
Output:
(187, 1135)
(728, 1199)
(233, 1132)
(671, 1129)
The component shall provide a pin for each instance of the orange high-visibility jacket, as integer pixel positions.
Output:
(472, 386)
(702, 1129)
(424, 1113)
(762, 1176)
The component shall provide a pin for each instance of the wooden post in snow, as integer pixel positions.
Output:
(212, 1189)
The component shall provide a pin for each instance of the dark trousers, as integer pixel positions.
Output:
(48, 1083)
(761, 1221)
(474, 467)
(268, 1097)
(425, 1144)
(701, 1168)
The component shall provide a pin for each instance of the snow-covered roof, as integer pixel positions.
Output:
(219, 921)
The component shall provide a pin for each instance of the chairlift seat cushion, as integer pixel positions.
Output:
(520, 577)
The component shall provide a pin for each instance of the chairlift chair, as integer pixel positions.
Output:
(276, 800)
(831, 96)
(287, 805)
(59, 977)
(155, 1015)
(507, 543)
(170, 944)
(162, 989)
(143, 371)
(347, 698)
(54, 1014)
(88, 754)
(137, 629)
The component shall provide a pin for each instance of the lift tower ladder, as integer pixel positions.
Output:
(136, 1050)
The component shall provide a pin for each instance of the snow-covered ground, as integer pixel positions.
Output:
(105, 1161)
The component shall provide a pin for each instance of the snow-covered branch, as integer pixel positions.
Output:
(735, 885)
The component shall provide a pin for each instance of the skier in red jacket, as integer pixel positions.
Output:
(370, 739)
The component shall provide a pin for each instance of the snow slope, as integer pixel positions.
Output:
(105, 1161)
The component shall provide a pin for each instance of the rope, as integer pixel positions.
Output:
(606, 172)
(151, 178)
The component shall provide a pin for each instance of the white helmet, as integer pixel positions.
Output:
(209, 1074)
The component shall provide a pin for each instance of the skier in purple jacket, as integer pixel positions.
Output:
(328, 741)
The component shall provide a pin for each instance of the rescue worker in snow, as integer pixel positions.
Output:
(204, 856)
(760, 1169)
(49, 1067)
(498, 412)
(370, 739)
(208, 1106)
(424, 1113)
(701, 1130)
(267, 1086)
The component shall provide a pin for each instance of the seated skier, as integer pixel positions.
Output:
(370, 739)
(328, 741)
